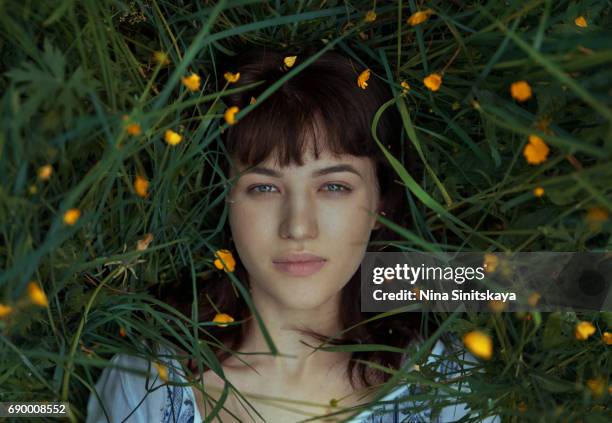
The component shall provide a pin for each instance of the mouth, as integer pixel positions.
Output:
(300, 268)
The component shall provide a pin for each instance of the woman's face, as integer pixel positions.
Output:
(320, 208)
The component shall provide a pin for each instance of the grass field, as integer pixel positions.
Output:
(506, 103)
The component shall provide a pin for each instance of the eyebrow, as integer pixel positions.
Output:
(259, 170)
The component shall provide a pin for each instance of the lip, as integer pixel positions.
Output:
(300, 268)
(299, 264)
(297, 258)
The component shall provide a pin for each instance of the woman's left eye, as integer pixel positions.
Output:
(338, 188)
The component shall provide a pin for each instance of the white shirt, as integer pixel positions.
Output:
(133, 398)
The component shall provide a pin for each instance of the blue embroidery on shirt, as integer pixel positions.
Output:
(179, 406)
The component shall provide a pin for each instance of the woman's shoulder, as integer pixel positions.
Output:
(135, 389)
(449, 359)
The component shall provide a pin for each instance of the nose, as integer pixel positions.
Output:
(299, 218)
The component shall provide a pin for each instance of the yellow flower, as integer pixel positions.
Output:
(230, 115)
(490, 263)
(370, 16)
(225, 256)
(405, 87)
(192, 82)
(141, 186)
(231, 77)
(607, 338)
(538, 191)
(32, 189)
(253, 100)
(597, 386)
(584, 330)
(133, 129)
(222, 318)
(433, 81)
(44, 172)
(595, 217)
(581, 22)
(535, 151)
(161, 58)
(497, 305)
(122, 332)
(162, 371)
(143, 244)
(534, 298)
(71, 216)
(479, 343)
(172, 138)
(289, 61)
(5, 310)
(520, 91)
(37, 295)
(363, 78)
(419, 17)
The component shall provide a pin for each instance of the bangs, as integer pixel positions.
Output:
(321, 108)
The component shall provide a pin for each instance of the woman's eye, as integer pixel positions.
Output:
(338, 188)
(256, 189)
(269, 189)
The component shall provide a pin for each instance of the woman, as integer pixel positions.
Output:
(308, 182)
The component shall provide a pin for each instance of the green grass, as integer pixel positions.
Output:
(71, 70)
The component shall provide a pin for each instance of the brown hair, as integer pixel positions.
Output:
(325, 93)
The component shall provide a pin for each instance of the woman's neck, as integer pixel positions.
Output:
(297, 359)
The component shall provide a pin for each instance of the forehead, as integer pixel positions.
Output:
(326, 163)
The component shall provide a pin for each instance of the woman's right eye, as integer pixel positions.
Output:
(256, 189)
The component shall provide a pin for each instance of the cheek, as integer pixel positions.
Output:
(249, 223)
(346, 228)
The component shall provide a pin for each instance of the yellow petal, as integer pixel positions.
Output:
(520, 91)
(161, 58)
(497, 305)
(141, 186)
(143, 244)
(405, 87)
(433, 81)
(133, 129)
(222, 318)
(538, 191)
(370, 16)
(607, 338)
(597, 215)
(71, 216)
(597, 386)
(419, 17)
(230, 115)
(44, 172)
(479, 343)
(225, 256)
(5, 310)
(533, 299)
(581, 22)
(363, 78)
(535, 151)
(37, 295)
(490, 263)
(162, 371)
(172, 138)
(289, 61)
(584, 330)
(231, 77)
(192, 82)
